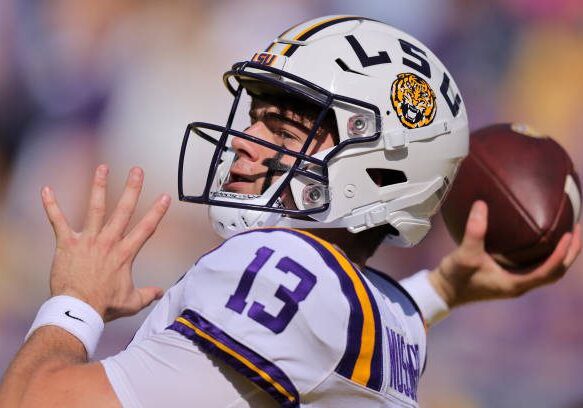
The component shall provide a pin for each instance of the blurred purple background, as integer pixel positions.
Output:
(116, 81)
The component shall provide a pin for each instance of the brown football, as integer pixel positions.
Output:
(531, 188)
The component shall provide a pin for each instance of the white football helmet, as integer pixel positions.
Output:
(402, 130)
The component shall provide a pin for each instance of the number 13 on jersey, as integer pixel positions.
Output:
(290, 297)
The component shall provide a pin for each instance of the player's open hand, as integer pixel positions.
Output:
(95, 265)
(470, 274)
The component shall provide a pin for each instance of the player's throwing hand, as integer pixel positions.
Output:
(469, 273)
(95, 264)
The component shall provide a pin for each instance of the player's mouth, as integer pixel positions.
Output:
(235, 178)
(240, 183)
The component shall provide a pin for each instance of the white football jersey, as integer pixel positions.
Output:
(293, 315)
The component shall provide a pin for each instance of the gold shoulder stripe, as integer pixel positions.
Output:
(238, 356)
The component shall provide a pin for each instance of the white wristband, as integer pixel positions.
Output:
(72, 315)
(432, 306)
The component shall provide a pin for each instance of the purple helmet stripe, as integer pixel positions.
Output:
(317, 28)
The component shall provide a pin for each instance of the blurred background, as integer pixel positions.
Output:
(116, 81)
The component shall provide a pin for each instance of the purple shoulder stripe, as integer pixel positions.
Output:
(245, 361)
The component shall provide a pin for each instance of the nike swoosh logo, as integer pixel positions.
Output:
(68, 314)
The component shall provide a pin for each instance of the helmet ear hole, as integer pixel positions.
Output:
(386, 177)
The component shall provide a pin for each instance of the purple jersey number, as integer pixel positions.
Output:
(290, 298)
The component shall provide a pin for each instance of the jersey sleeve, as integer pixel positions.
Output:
(283, 308)
(166, 369)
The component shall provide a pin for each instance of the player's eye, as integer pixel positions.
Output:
(286, 135)
(288, 139)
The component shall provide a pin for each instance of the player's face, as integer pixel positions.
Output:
(250, 172)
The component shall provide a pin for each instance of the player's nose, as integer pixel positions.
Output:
(249, 149)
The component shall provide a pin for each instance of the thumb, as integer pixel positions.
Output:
(476, 227)
(148, 294)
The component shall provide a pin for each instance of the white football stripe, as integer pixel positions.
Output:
(574, 196)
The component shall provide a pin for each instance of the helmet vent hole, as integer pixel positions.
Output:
(386, 177)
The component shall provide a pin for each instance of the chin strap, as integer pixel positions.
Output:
(274, 166)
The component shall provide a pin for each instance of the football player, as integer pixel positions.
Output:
(354, 133)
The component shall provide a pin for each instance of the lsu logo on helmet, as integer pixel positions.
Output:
(413, 100)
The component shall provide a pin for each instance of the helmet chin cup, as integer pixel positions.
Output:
(228, 221)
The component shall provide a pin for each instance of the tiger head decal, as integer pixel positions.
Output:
(413, 100)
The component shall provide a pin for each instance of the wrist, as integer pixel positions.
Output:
(442, 286)
(430, 302)
(73, 315)
(83, 297)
